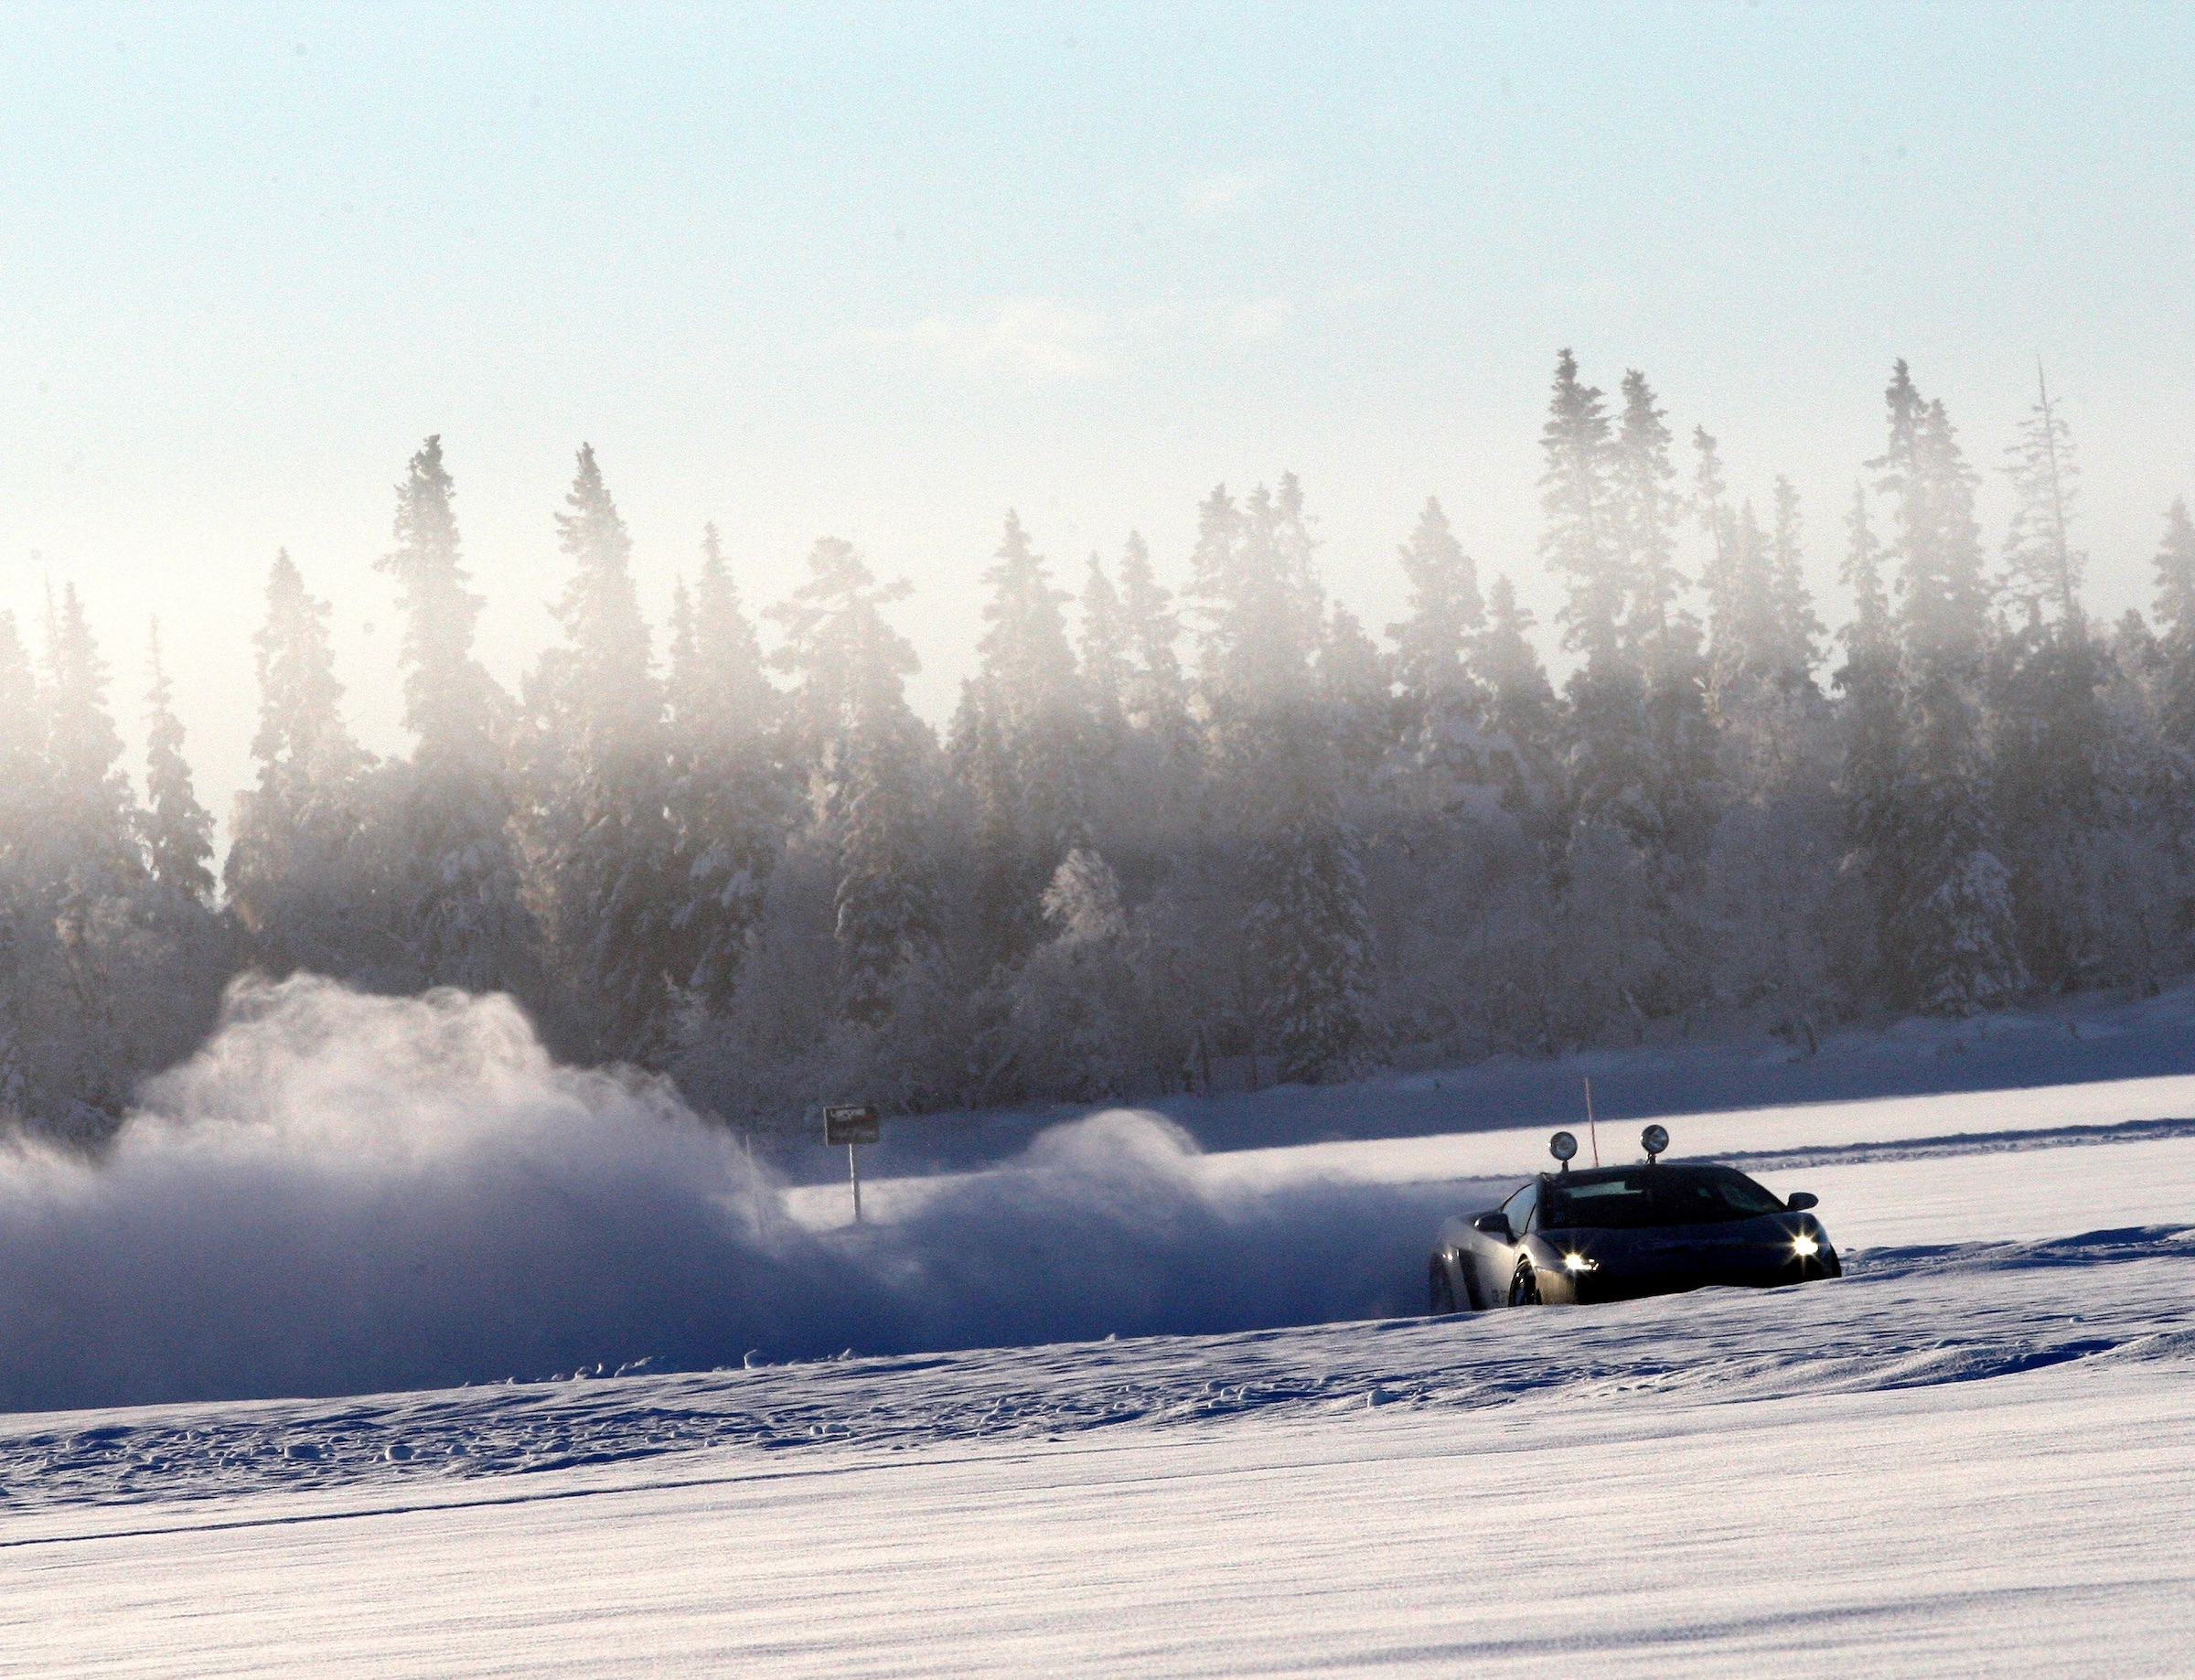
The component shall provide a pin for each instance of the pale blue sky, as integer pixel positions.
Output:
(883, 272)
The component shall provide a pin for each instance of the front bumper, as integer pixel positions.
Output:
(1674, 1273)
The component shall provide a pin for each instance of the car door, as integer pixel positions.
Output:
(1497, 1260)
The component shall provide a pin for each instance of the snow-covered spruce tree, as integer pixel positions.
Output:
(1524, 717)
(1032, 784)
(1681, 787)
(2057, 767)
(301, 883)
(1710, 505)
(1080, 1024)
(730, 797)
(1157, 693)
(1798, 631)
(27, 954)
(1953, 931)
(1612, 765)
(1580, 543)
(1307, 965)
(2041, 566)
(1153, 805)
(185, 950)
(89, 821)
(1103, 661)
(1771, 875)
(2175, 566)
(601, 841)
(1440, 709)
(88, 881)
(1743, 611)
(1645, 511)
(1872, 724)
(988, 793)
(177, 830)
(1355, 691)
(870, 765)
(2148, 880)
(457, 885)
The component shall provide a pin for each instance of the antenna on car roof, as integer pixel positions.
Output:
(1653, 1139)
(1562, 1146)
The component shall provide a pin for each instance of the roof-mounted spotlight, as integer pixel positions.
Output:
(1562, 1146)
(1654, 1141)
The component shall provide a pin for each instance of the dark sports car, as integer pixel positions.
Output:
(1616, 1233)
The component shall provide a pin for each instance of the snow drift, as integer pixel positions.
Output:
(344, 1194)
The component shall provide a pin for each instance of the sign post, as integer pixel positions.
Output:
(852, 1124)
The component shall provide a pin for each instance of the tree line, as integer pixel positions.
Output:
(1221, 826)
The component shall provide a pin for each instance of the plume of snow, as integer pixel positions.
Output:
(347, 1193)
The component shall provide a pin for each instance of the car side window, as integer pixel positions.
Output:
(1518, 1208)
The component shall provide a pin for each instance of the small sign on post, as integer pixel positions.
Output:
(852, 1124)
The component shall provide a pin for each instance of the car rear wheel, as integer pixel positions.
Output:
(1524, 1289)
(1440, 1292)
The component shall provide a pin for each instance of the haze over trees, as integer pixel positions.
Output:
(1170, 834)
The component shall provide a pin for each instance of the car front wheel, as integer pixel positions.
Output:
(1524, 1289)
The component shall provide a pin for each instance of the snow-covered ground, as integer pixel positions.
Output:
(1974, 1454)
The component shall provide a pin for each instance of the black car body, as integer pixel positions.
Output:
(1616, 1233)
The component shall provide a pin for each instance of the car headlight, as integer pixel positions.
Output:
(1576, 1263)
(1805, 1247)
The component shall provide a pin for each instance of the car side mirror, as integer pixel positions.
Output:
(1496, 1224)
(1799, 1201)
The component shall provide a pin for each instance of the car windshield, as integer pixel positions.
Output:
(1653, 1196)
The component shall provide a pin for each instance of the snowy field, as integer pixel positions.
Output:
(1974, 1454)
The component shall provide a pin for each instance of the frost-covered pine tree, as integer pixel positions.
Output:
(1105, 662)
(1953, 934)
(1306, 922)
(1798, 631)
(1770, 881)
(1524, 717)
(1158, 693)
(1710, 505)
(183, 953)
(2175, 566)
(604, 846)
(458, 887)
(1609, 751)
(298, 875)
(1080, 1021)
(90, 820)
(1446, 612)
(2056, 756)
(1032, 785)
(1439, 708)
(730, 799)
(1162, 763)
(1580, 541)
(1681, 793)
(112, 972)
(25, 940)
(1774, 720)
(869, 761)
(1354, 689)
(1645, 511)
(1872, 684)
(177, 829)
(1306, 933)
(2041, 565)
(1743, 614)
